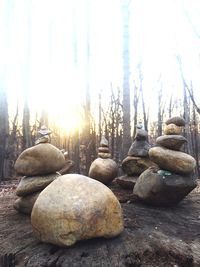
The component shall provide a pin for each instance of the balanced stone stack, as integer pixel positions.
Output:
(38, 165)
(137, 160)
(75, 207)
(103, 169)
(174, 178)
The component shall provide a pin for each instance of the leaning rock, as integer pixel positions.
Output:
(75, 207)
(25, 204)
(141, 135)
(139, 149)
(171, 160)
(103, 170)
(162, 188)
(126, 182)
(104, 142)
(172, 129)
(173, 142)
(32, 184)
(135, 165)
(178, 121)
(40, 159)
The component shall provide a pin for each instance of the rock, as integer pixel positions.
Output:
(139, 148)
(75, 207)
(135, 165)
(171, 160)
(25, 204)
(126, 182)
(141, 135)
(104, 155)
(104, 142)
(32, 184)
(173, 142)
(172, 129)
(162, 188)
(103, 149)
(68, 167)
(40, 159)
(103, 170)
(178, 121)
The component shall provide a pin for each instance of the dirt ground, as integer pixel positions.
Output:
(153, 237)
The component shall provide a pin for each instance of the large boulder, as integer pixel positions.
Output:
(40, 159)
(171, 160)
(25, 204)
(135, 165)
(75, 207)
(162, 188)
(32, 184)
(173, 142)
(103, 170)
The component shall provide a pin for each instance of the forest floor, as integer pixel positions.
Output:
(153, 237)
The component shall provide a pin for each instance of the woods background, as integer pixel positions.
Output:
(126, 107)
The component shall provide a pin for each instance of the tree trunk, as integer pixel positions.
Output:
(126, 142)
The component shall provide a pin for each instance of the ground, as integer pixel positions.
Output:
(163, 237)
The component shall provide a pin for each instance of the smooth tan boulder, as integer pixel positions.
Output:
(135, 165)
(103, 170)
(172, 129)
(32, 184)
(40, 159)
(25, 204)
(171, 160)
(75, 207)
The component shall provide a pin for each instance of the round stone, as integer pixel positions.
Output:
(173, 142)
(178, 121)
(161, 188)
(75, 207)
(175, 161)
(172, 129)
(32, 184)
(25, 204)
(103, 170)
(134, 166)
(104, 155)
(40, 159)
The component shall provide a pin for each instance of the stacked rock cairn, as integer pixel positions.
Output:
(174, 178)
(103, 169)
(39, 166)
(137, 160)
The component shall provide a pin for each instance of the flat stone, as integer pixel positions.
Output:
(40, 159)
(172, 129)
(103, 170)
(161, 188)
(134, 166)
(104, 155)
(178, 121)
(126, 182)
(139, 148)
(173, 142)
(175, 161)
(103, 149)
(25, 204)
(32, 184)
(75, 207)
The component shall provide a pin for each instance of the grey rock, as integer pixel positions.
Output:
(104, 142)
(25, 204)
(139, 148)
(141, 135)
(161, 188)
(178, 121)
(173, 142)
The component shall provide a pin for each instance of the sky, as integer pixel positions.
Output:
(38, 55)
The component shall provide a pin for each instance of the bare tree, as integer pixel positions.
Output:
(126, 142)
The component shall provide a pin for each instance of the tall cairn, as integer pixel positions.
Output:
(173, 179)
(103, 169)
(136, 161)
